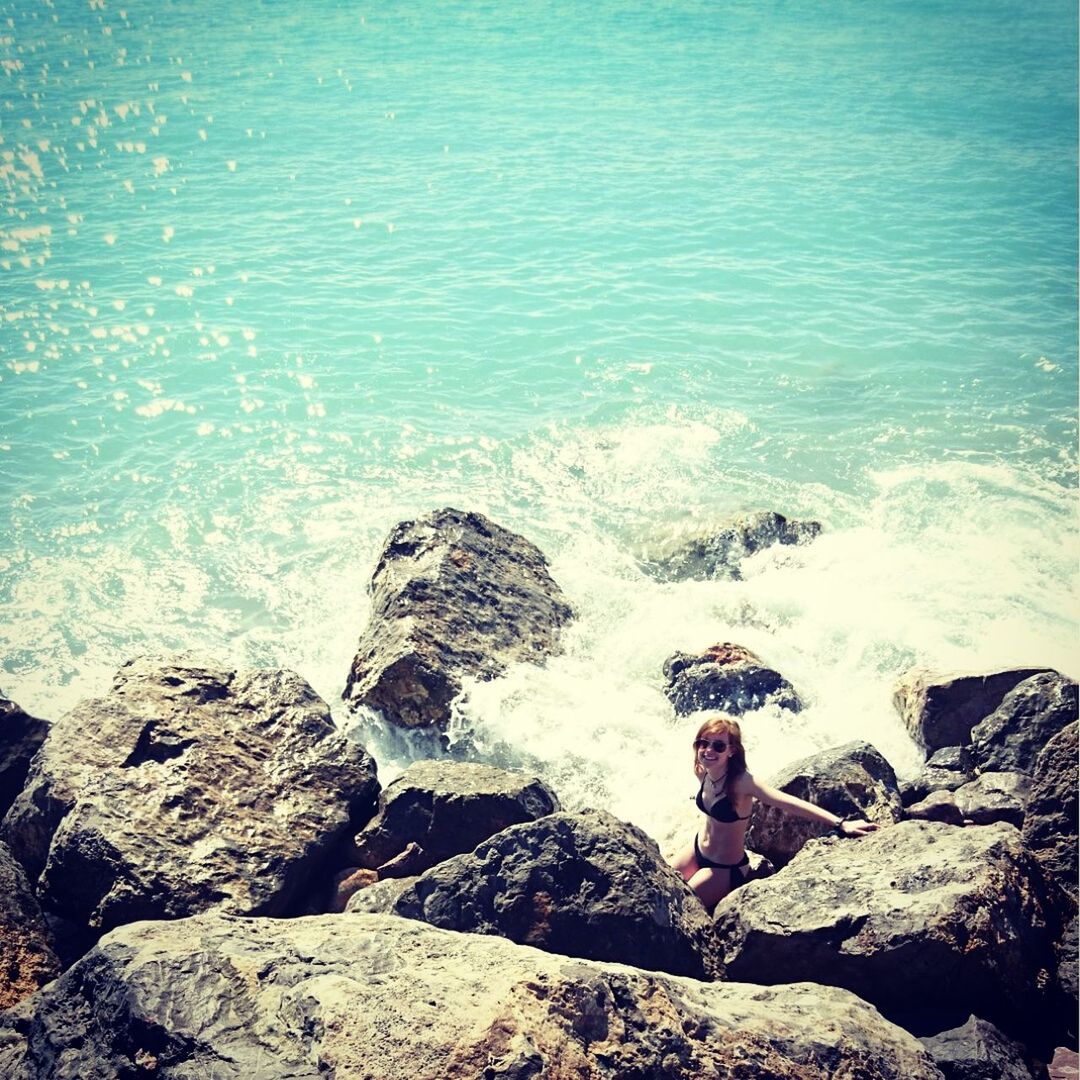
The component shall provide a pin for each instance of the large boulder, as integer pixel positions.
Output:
(371, 996)
(921, 919)
(188, 786)
(727, 677)
(27, 957)
(719, 554)
(453, 595)
(994, 796)
(20, 736)
(582, 884)
(977, 1051)
(1012, 737)
(852, 780)
(941, 709)
(446, 808)
(1050, 825)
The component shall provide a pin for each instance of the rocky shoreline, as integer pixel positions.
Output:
(201, 876)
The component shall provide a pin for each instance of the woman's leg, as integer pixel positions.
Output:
(711, 885)
(685, 861)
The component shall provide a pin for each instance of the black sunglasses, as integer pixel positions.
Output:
(718, 745)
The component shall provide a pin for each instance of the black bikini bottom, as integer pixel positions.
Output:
(737, 876)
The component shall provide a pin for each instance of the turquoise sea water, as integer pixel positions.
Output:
(608, 273)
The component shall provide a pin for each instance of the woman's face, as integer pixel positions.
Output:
(713, 748)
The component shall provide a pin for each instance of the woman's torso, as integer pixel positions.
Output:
(726, 817)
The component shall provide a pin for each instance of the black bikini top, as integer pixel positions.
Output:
(721, 810)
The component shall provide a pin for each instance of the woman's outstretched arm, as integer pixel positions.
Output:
(789, 804)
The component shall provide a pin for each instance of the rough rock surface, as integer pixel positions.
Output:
(937, 806)
(453, 595)
(582, 884)
(887, 915)
(994, 796)
(188, 786)
(446, 808)
(371, 997)
(941, 709)
(1050, 826)
(977, 1051)
(20, 736)
(720, 554)
(851, 780)
(945, 770)
(1065, 950)
(726, 677)
(27, 958)
(1012, 737)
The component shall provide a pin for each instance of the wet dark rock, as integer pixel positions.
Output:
(941, 709)
(945, 770)
(937, 806)
(727, 677)
(20, 736)
(886, 915)
(582, 884)
(446, 808)
(27, 957)
(994, 796)
(977, 1051)
(188, 786)
(1050, 826)
(453, 596)
(369, 996)
(1012, 737)
(853, 780)
(719, 554)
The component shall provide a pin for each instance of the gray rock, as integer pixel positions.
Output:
(853, 780)
(188, 786)
(20, 737)
(583, 884)
(994, 796)
(719, 554)
(370, 997)
(453, 595)
(945, 770)
(726, 677)
(977, 1051)
(446, 808)
(379, 898)
(27, 957)
(941, 709)
(1013, 736)
(888, 915)
(1050, 826)
(1065, 978)
(937, 806)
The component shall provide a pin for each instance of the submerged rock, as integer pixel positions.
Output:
(20, 737)
(887, 915)
(188, 786)
(977, 1051)
(941, 709)
(727, 677)
(582, 884)
(27, 956)
(446, 808)
(371, 996)
(853, 780)
(453, 595)
(720, 554)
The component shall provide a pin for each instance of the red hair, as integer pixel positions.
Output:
(716, 724)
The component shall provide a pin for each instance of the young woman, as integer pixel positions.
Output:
(713, 864)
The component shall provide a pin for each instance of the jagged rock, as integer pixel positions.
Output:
(994, 796)
(850, 780)
(446, 808)
(188, 786)
(977, 1051)
(937, 806)
(582, 884)
(719, 554)
(888, 915)
(1065, 977)
(453, 595)
(1050, 826)
(726, 677)
(371, 996)
(941, 709)
(1012, 737)
(20, 736)
(27, 957)
(945, 770)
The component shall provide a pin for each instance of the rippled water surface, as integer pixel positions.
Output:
(607, 272)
